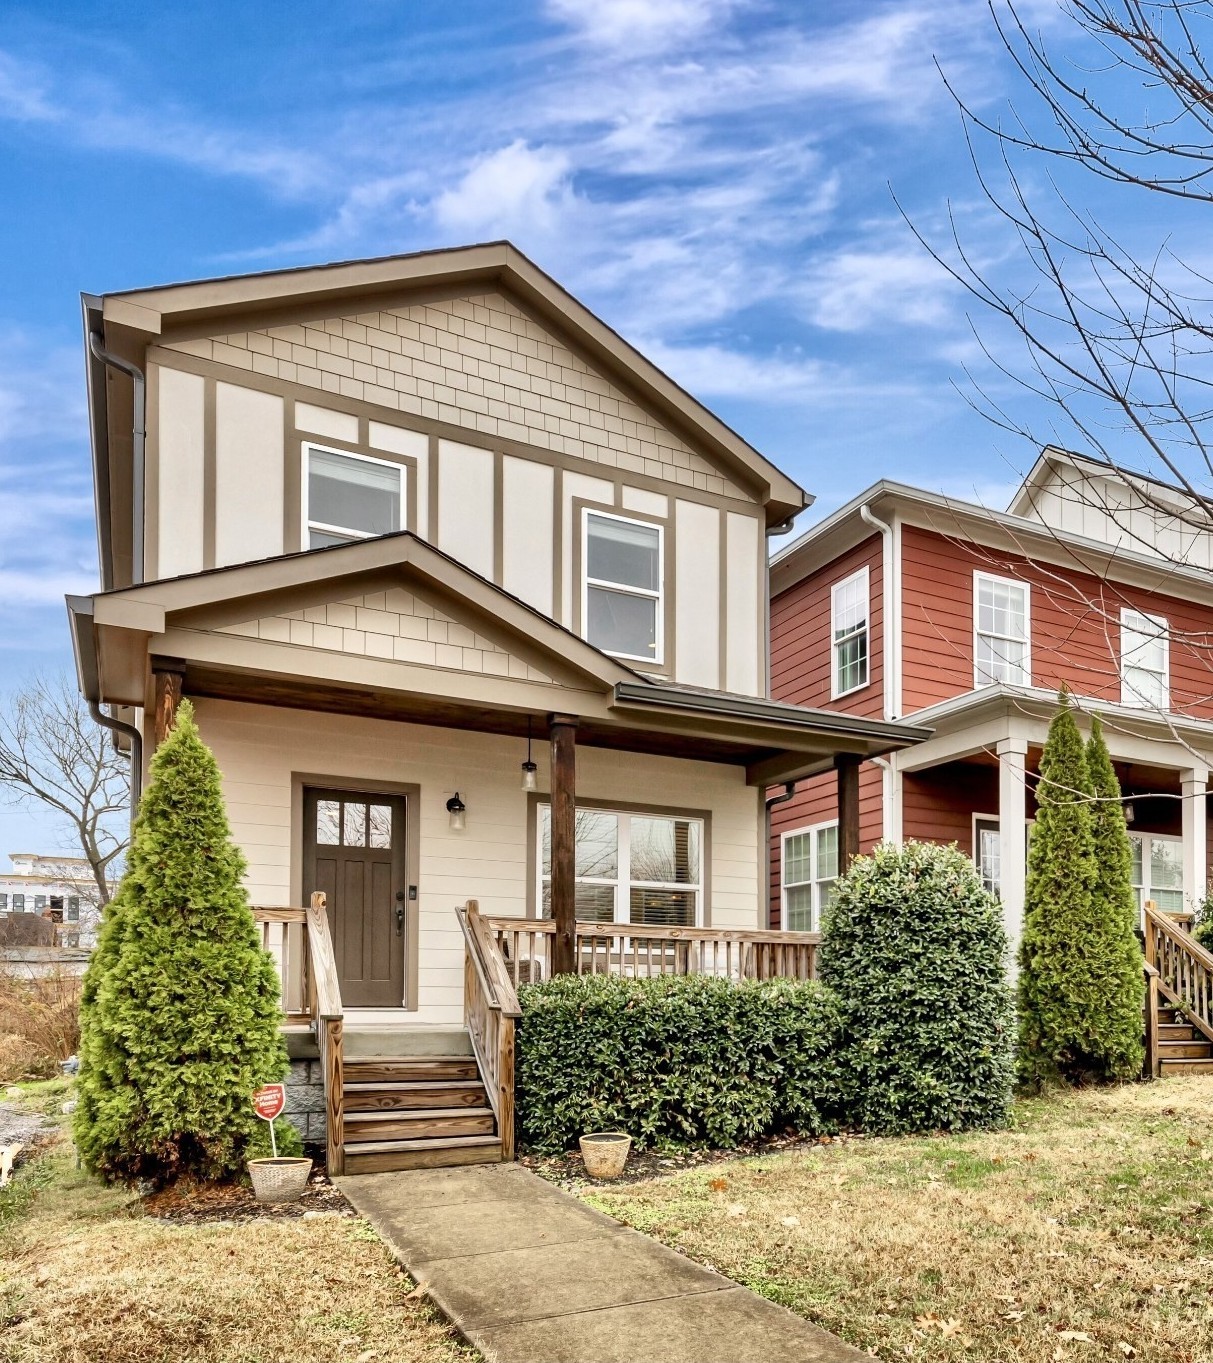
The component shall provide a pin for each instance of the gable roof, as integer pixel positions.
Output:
(232, 302)
(1053, 462)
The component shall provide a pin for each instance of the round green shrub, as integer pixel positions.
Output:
(915, 953)
(676, 1058)
(180, 1017)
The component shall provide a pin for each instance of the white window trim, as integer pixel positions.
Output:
(1147, 888)
(978, 817)
(307, 525)
(658, 596)
(994, 578)
(623, 883)
(1127, 695)
(815, 906)
(835, 693)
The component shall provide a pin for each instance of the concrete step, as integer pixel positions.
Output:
(403, 1069)
(397, 1097)
(374, 1157)
(395, 1039)
(419, 1124)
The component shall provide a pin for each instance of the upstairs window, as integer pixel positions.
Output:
(849, 631)
(1001, 643)
(349, 497)
(1144, 662)
(809, 868)
(18, 903)
(622, 572)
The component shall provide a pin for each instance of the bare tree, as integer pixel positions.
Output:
(1114, 335)
(53, 753)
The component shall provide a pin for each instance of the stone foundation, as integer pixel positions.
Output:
(305, 1100)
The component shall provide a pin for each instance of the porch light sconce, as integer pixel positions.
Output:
(456, 809)
(530, 772)
(1129, 814)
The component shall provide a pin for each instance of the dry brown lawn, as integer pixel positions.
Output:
(85, 1278)
(1084, 1233)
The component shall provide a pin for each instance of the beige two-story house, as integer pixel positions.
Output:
(434, 552)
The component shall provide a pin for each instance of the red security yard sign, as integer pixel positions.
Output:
(268, 1102)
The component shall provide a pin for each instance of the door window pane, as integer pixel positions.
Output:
(328, 823)
(347, 493)
(380, 825)
(354, 826)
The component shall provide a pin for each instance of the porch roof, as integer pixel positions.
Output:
(188, 618)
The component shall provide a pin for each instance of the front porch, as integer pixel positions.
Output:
(419, 1097)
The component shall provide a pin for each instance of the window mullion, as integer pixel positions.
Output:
(623, 890)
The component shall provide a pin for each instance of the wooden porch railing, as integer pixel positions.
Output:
(1184, 969)
(300, 941)
(491, 1011)
(638, 950)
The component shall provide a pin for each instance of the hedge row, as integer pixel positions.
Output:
(675, 1058)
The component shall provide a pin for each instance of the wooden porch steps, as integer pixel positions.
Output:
(1182, 1049)
(415, 1112)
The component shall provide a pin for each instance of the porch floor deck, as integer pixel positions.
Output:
(528, 1274)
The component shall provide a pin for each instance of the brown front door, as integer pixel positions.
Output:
(353, 850)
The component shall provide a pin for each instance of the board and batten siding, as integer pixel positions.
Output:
(229, 419)
(261, 751)
(1075, 626)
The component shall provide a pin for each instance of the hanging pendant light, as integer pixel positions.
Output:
(530, 772)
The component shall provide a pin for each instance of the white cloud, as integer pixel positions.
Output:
(516, 188)
(857, 289)
(640, 26)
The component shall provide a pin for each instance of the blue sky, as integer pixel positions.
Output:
(711, 176)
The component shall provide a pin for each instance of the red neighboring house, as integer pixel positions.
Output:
(907, 604)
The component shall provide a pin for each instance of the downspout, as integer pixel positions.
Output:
(118, 726)
(789, 790)
(781, 528)
(889, 606)
(138, 445)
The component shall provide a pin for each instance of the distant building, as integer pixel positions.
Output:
(57, 889)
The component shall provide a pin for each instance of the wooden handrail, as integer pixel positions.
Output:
(490, 1012)
(1152, 1067)
(655, 932)
(1185, 968)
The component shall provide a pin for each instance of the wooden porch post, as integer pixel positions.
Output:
(847, 767)
(168, 674)
(563, 731)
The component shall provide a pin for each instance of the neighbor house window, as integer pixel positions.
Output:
(18, 903)
(350, 497)
(1144, 663)
(3, 903)
(1001, 644)
(849, 632)
(621, 604)
(39, 902)
(630, 868)
(73, 910)
(809, 868)
(1158, 871)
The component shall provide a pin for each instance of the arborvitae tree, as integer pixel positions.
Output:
(1068, 960)
(1115, 942)
(915, 952)
(180, 1016)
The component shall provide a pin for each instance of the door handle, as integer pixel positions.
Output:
(399, 912)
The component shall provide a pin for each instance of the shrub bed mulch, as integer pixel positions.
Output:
(568, 1169)
(234, 1204)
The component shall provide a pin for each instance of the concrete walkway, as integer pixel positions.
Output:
(529, 1274)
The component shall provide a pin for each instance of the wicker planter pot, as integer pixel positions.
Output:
(279, 1180)
(605, 1153)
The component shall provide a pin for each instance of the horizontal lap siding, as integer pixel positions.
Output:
(260, 748)
(1075, 626)
(938, 805)
(816, 801)
(801, 655)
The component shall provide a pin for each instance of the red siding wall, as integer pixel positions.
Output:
(801, 656)
(938, 805)
(816, 801)
(1075, 626)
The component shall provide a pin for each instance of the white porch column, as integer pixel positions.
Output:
(1194, 782)
(1012, 836)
